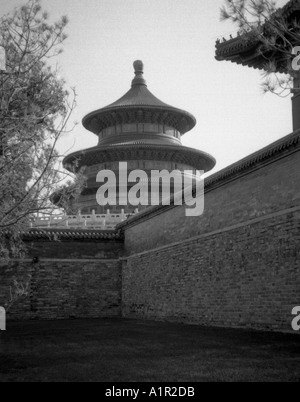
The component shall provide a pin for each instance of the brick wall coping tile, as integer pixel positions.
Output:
(60, 260)
(265, 156)
(215, 232)
(71, 234)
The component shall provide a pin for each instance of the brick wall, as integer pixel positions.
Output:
(63, 289)
(266, 190)
(75, 277)
(238, 265)
(75, 249)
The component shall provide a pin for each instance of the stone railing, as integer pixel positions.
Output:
(106, 221)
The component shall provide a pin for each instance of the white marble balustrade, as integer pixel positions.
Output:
(106, 221)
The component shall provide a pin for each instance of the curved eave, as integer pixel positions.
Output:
(235, 47)
(289, 9)
(175, 153)
(251, 58)
(244, 49)
(113, 115)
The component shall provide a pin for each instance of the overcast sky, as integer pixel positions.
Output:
(176, 41)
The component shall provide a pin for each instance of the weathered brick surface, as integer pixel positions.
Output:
(270, 189)
(62, 289)
(238, 265)
(74, 249)
(246, 277)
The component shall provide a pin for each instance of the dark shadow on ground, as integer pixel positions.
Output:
(128, 350)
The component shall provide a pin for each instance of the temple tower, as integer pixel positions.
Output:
(141, 130)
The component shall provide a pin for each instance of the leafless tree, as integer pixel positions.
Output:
(35, 111)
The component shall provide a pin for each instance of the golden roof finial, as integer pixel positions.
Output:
(139, 71)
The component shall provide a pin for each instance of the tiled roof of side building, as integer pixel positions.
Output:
(245, 49)
(71, 234)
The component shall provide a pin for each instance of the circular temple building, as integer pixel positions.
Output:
(138, 129)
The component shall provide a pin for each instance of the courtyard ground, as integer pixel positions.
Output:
(128, 350)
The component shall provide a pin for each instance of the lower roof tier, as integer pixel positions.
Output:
(111, 153)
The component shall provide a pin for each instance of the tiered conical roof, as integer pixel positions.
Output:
(139, 106)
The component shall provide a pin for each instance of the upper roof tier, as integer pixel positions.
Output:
(248, 49)
(139, 105)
